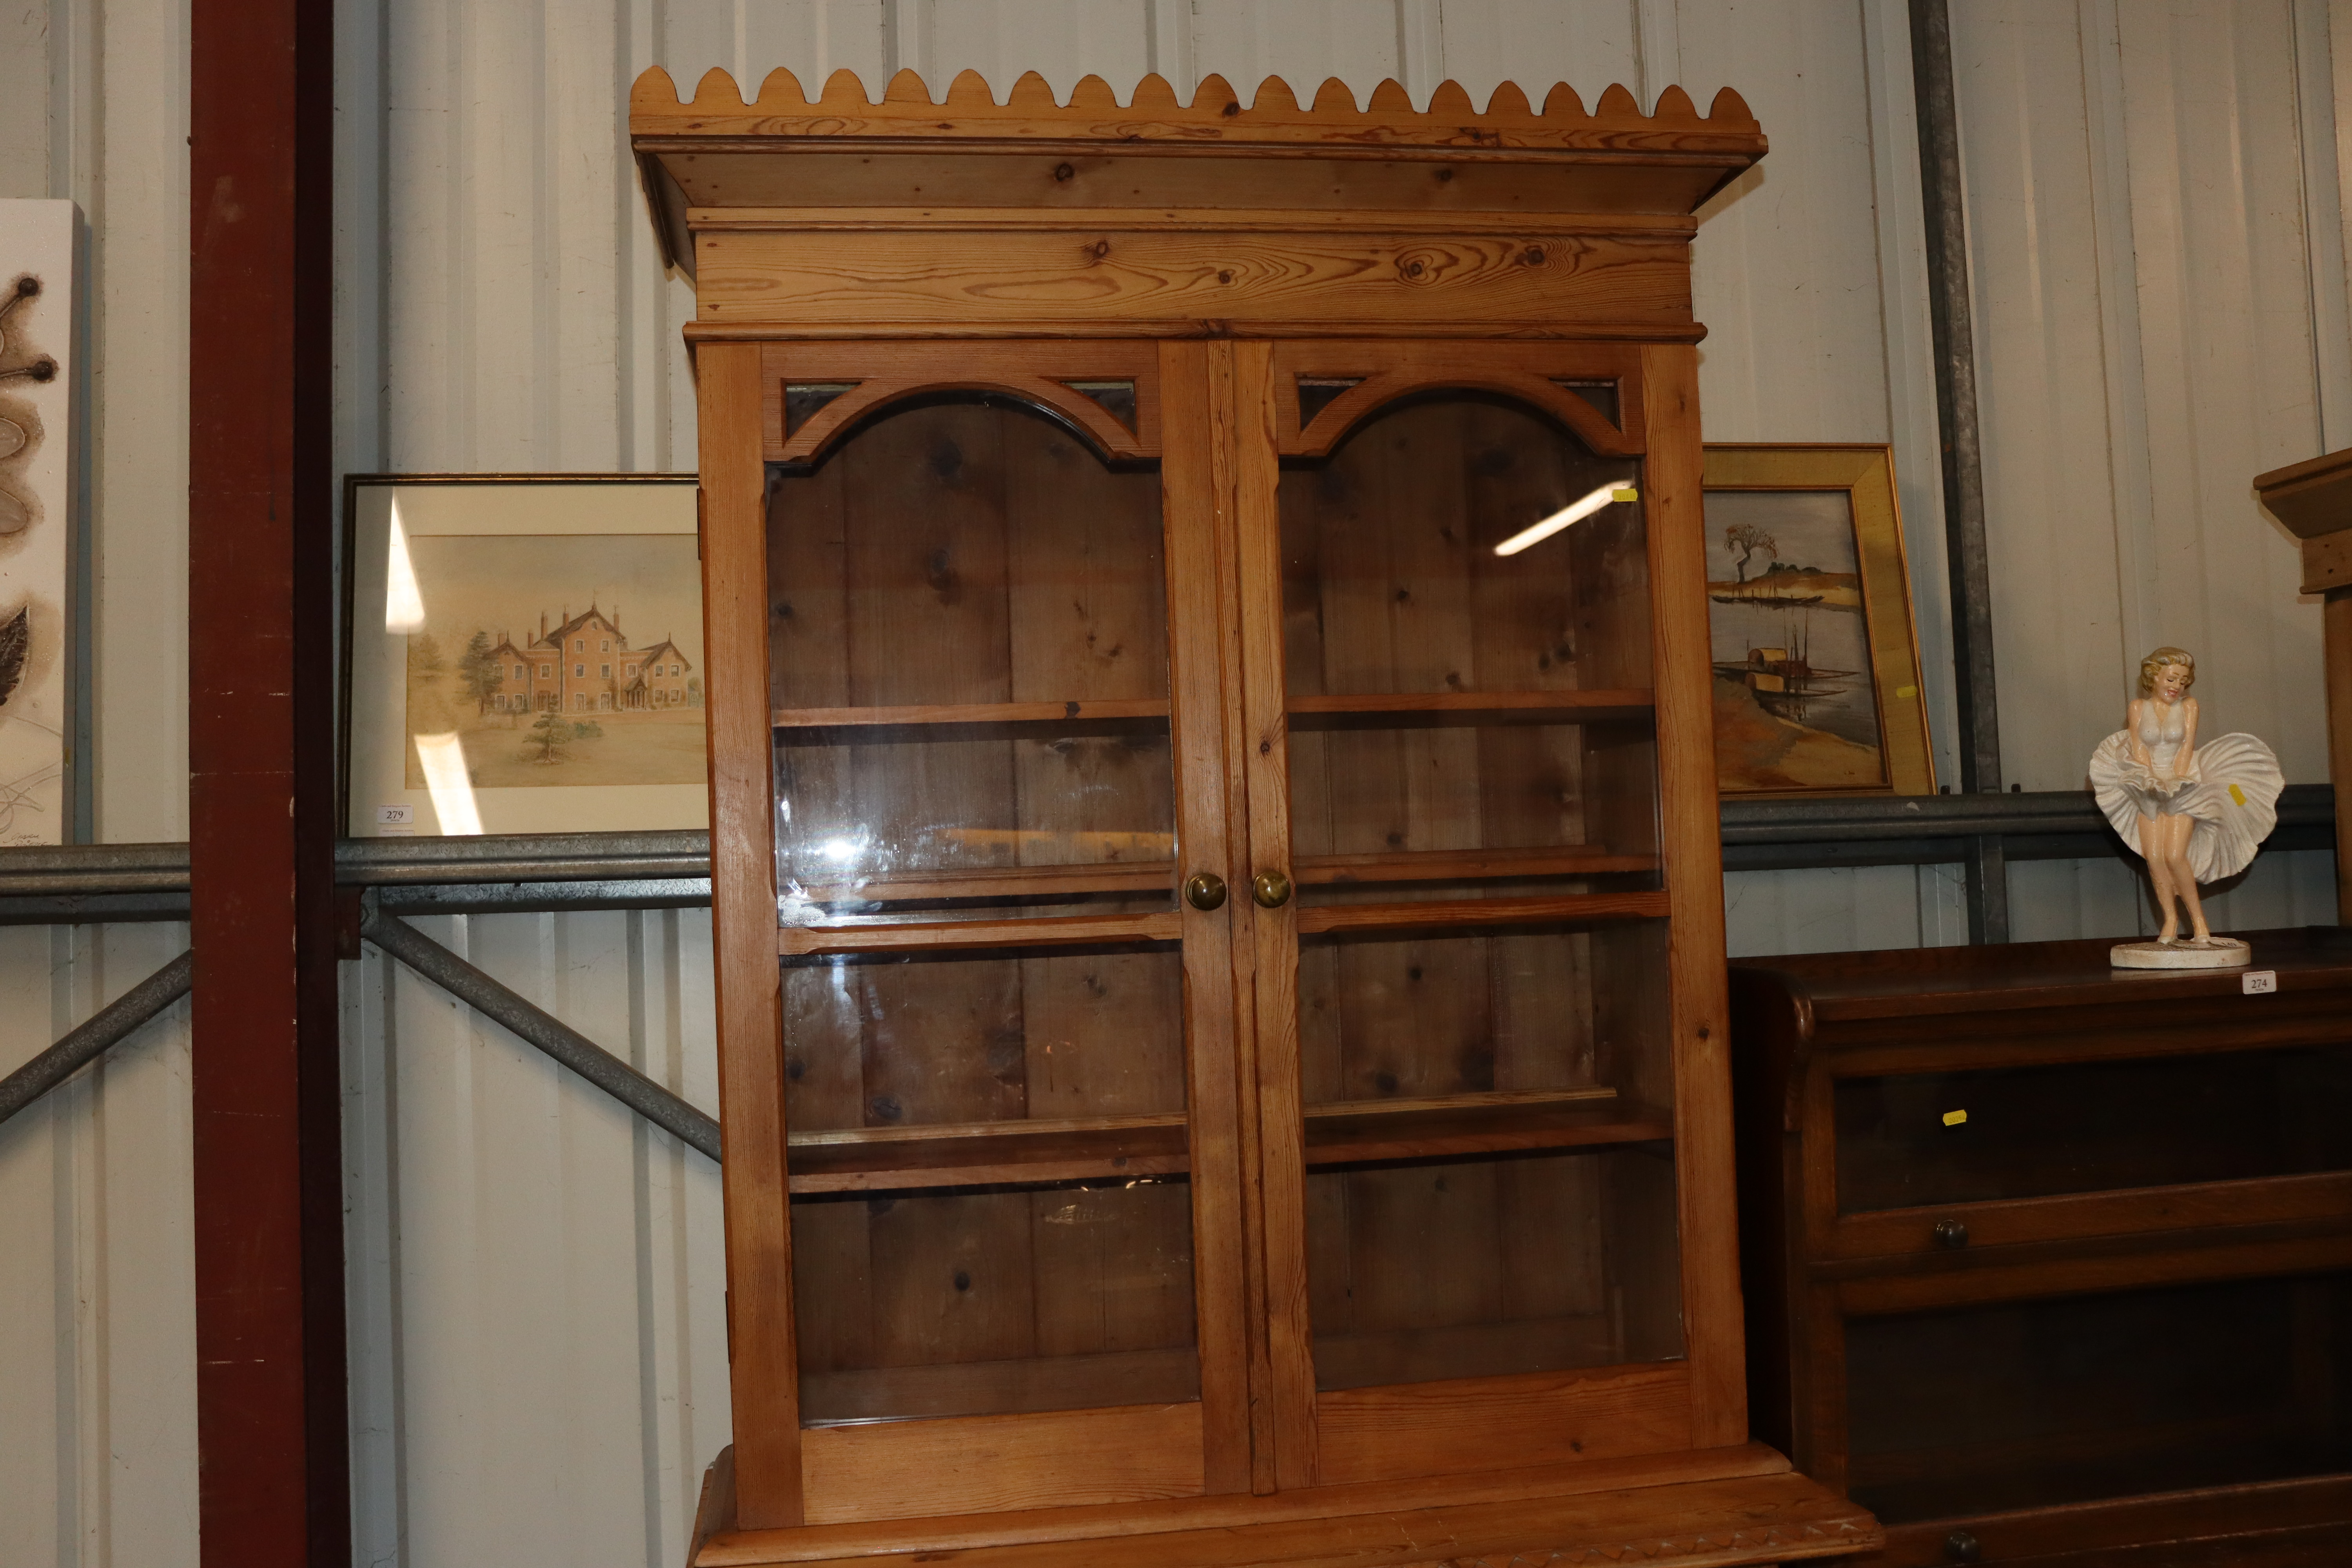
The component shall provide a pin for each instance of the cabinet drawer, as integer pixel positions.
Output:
(2204, 1206)
(2035, 1404)
(1931, 1138)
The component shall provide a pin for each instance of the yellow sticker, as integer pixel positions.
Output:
(1626, 492)
(1954, 1118)
(1905, 693)
(2236, 794)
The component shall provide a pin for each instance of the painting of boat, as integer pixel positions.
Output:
(1796, 706)
(1783, 679)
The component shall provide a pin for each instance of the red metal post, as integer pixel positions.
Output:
(270, 1387)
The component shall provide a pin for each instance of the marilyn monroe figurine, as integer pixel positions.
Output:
(2195, 813)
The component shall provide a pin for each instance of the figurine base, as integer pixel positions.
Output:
(2221, 953)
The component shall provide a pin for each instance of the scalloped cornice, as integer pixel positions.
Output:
(1030, 113)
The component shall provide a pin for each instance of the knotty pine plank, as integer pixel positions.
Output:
(743, 913)
(1196, 485)
(1687, 810)
(988, 1464)
(913, 276)
(1476, 1424)
(1251, 544)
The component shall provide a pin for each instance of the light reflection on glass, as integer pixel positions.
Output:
(403, 604)
(446, 779)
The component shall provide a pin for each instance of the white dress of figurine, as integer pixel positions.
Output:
(2194, 813)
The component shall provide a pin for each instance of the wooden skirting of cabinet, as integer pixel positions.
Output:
(2050, 1263)
(1696, 1509)
(1216, 894)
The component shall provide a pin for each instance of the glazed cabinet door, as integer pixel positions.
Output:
(1471, 786)
(1004, 1202)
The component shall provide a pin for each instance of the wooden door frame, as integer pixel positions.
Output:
(1658, 421)
(741, 430)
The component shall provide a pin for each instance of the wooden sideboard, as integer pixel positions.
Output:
(2050, 1263)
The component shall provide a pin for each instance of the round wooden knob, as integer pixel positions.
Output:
(1204, 890)
(1271, 890)
(1951, 1233)
(1961, 1547)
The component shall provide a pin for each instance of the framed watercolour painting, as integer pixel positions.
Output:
(522, 655)
(1816, 657)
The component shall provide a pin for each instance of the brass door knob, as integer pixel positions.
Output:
(1951, 1233)
(1271, 890)
(1204, 890)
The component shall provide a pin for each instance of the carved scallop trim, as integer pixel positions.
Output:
(1215, 114)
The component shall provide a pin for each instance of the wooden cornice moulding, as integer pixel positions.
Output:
(1309, 195)
(1214, 117)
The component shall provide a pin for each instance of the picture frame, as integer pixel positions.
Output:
(464, 708)
(40, 658)
(1815, 646)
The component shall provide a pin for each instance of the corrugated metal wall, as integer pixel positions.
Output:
(538, 1357)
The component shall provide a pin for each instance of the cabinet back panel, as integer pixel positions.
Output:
(947, 560)
(994, 1301)
(1430, 1271)
(1390, 581)
(899, 1043)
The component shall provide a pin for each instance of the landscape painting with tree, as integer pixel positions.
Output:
(1816, 667)
(556, 658)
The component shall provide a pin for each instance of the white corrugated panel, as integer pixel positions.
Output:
(536, 1279)
(97, 1460)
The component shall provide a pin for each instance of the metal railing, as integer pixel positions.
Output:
(114, 882)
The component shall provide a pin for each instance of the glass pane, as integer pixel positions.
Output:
(988, 1153)
(1482, 1267)
(968, 628)
(1952, 1414)
(1391, 581)
(887, 1042)
(1482, 966)
(994, 1300)
(2091, 1127)
(1546, 1092)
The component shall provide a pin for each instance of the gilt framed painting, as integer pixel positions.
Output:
(1816, 655)
(522, 655)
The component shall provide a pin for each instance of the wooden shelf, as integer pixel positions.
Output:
(1050, 882)
(1109, 1148)
(1163, 1376)
(940, 936)
(1420, 710)
(966, 720)
(1565, 908)
(1466, 1350)
(1032, 882)
(1463, 864)
(1361, 1133)
(984, 1153)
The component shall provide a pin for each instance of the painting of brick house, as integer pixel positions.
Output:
(583, 664)
(624, 688)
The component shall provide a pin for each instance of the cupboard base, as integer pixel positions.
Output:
(1693, 1509)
